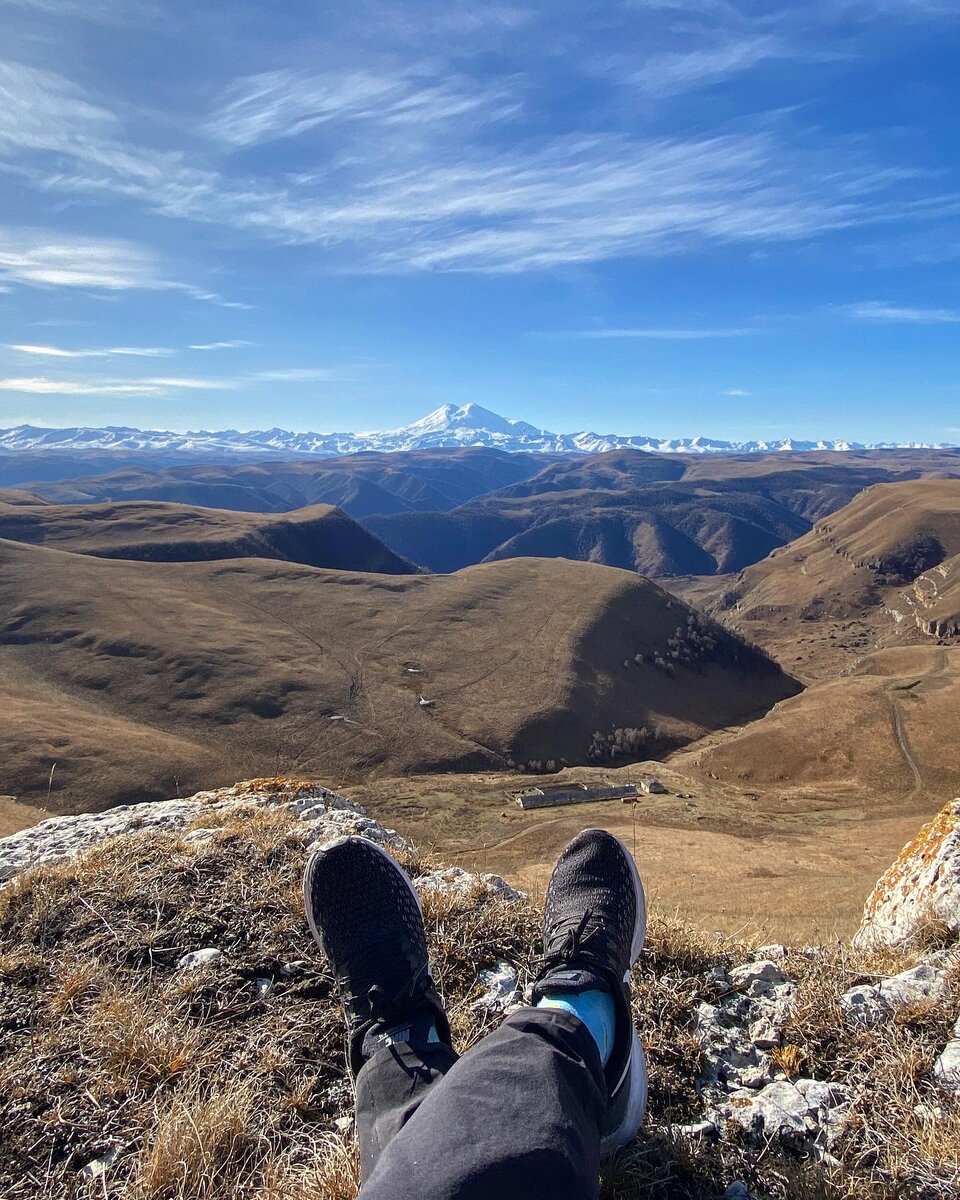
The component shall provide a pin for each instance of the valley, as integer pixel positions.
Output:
(772, 636)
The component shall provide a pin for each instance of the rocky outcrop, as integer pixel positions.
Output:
(871, 1002)
(742, 1083)
(946, 1070)
(918, 898)
(61, 838)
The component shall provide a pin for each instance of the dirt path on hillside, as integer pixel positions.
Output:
(938, 669)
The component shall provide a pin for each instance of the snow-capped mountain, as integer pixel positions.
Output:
(448, 426)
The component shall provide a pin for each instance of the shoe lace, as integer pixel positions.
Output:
(386, 1009)
(570, 940)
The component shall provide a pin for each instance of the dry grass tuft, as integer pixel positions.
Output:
(201, 1145)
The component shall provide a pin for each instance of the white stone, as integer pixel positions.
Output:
(209, 956)
(779, 1110)
(764, 1034)
(762, 978)
(946, 1070)
(102, 1163)
(774, 952)
(922, 885)
(699, 1129)
(915, 985)
(823, 1095)
(870, 1002)
(456, 879)
(756, 1077)
(60, 838)
(262, 988)
(501, 988)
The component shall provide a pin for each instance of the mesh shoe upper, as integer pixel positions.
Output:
(593, 927)
(366, 917)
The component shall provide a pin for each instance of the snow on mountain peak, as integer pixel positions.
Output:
(449, 426)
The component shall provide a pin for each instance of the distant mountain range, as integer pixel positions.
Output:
(448, 426)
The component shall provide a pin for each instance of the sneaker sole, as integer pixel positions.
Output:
(317, 855)
(637, 1063)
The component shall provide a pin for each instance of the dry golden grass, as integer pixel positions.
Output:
(196, 1089)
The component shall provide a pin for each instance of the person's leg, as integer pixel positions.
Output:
(365, 915)
(530, 1111)
(519, 1116)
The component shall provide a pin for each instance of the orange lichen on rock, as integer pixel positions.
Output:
(923, 884)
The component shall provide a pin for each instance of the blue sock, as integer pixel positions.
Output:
(595, 1009)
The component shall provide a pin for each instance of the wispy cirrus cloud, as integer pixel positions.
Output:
(667, 73)
(234, 344)
(113, 351)
(159, 385)
(667, 335)
(286, 103)
(445, 200)
(300, 375)
(50, 259)
(882, 310)
(42, 386)
(107, 12)
(47, 258)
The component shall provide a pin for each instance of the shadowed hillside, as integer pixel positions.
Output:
(360, 484)
(660, 515)
(202, 670)
(883, 571)
(320, 536)
(666, 529)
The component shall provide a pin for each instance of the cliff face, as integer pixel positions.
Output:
(168, 1030)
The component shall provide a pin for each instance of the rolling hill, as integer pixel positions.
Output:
(203, 670)
(360, 484)
(662, 515)
(882, 571)
(319, 536)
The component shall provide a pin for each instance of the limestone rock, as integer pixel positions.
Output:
(804, 1112)
(946, 1070)
(921, 887)
(777, 1111)
(209, 956)
(761, 978)
(870, 1002)
(60, 838)
(456, 879)
(501, 988)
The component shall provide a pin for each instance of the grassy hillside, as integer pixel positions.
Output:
(320, 536)
(214, 669)
(882, 571)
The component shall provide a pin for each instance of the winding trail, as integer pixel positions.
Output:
(939, 667)
(514, 837)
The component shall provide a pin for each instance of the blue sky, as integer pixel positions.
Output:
(668, 217)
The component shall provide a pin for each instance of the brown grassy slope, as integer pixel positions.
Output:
(880, 736)
(660, 515)
(659, 530)
(244, 663)
(875, 574)
(360, 484)
(200, 1088)
(14, 497)
(320, 536)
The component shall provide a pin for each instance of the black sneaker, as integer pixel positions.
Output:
(594, 923)
(365, 916)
